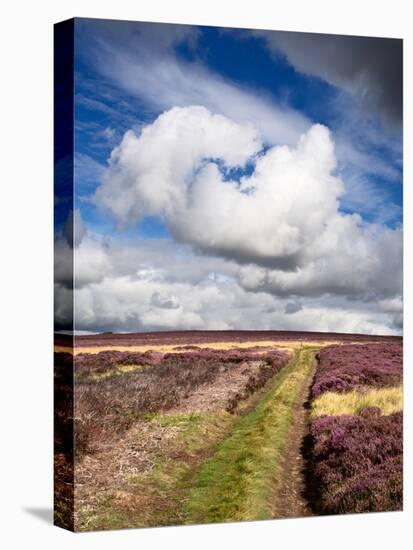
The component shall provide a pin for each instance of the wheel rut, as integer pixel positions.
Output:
(291, 491)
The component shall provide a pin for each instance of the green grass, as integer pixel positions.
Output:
(389, 400)
(238, 482)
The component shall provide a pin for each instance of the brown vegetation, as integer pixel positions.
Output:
(107, 406)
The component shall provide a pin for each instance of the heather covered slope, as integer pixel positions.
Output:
(359, 462)
(357, 429)
(346, 367)
(213, 429)
(204, 337)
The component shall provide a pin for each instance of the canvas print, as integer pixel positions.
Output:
(228, 274)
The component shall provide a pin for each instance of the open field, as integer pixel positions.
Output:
(173, 341)
(183, 428)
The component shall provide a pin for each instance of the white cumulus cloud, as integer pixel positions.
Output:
(174, 169)
(159, 284)
(282, 222)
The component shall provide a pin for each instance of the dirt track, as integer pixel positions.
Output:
(290, 494)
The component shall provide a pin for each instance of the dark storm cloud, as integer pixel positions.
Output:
(371, 69)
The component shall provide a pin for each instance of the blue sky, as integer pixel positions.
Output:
(129, 78)
(104, 110)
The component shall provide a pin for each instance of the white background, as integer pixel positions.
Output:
(26, 194)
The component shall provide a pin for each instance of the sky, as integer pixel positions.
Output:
(233, 179)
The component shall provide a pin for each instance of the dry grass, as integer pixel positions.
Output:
(109, 401)
(143, 480)
(389, 400)
(118, 370)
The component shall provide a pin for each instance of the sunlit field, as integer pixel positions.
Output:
(200, 427)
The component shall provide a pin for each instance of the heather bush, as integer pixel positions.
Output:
(357, 462)
(345, 367)
(272, 364)
(211, 355)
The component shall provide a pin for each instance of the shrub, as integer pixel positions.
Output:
(358, 462)
(347, 367)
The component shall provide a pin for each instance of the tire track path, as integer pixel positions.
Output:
(291, 491)
(258, 472)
